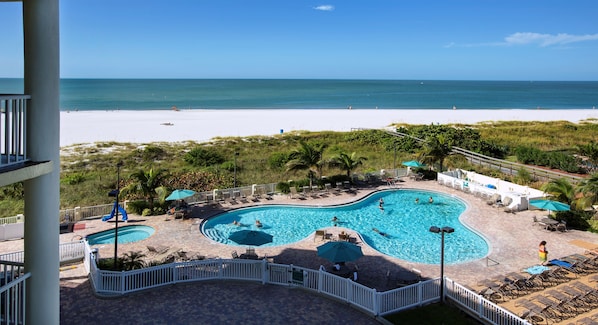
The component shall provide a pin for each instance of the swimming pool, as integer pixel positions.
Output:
(126, 234)
(406, 222)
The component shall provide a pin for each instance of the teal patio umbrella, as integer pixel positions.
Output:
(413, 163)
(250, 237)
(550, 205)
(340, 251)
(179, 195)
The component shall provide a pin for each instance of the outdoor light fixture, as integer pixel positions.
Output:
(235, 174)
(115, 194)
(442, 231)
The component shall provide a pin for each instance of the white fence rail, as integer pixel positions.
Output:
(364, 298)
(479, 307)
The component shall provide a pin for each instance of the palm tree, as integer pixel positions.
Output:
(309, 157)
(561, 189)
(347, 162)
(436, 149)
(133, 260)
(589, 189)
(590, 150)
(147, 183)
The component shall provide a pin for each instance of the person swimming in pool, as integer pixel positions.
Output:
(258, 223)
(430, 200)
(380, 232)
(416, 200)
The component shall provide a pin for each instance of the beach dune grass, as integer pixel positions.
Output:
(95, 164)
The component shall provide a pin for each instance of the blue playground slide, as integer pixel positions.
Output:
(122, 211)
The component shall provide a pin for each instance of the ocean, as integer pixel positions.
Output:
(161, 94)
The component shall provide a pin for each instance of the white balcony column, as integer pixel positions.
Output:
(42, 194)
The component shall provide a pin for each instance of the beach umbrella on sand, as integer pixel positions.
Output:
(413, 163)
(339, 251)
(250, 237)
(550, 205)
(179, 194)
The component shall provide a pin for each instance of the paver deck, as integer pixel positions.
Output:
(513, 241)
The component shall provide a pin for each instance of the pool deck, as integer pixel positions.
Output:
(513, 241)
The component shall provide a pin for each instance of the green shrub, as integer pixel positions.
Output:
(203, 157)
(137, 207)
(278, 160)
(284, 187)
(73, 179)
(228, 166)
(146, 212)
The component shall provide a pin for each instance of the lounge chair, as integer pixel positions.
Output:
(493, 199)
(234, 254)
(322, 234)
(296, 195)
(157, 250)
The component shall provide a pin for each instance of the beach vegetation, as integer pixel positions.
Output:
(132, 260)
(278, 160)
(73, 179)
(346, 162)
(556, 160)
(588, 190)
(203, 157)
(523, 177)
(308, 156)
(435, 150)
(146, 183)
(561, 190)
(151, 153)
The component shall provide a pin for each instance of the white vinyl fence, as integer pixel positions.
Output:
(368, 300)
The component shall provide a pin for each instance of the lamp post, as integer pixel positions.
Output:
(235, 173)
(394, 162)
(442, 231)
(116, 193)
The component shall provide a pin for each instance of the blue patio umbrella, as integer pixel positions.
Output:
(250, 237)
(550, 205)
(339, 251)
(179, 194)
(413, 163)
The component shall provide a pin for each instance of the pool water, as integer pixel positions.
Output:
(406, 223)
(126, 234)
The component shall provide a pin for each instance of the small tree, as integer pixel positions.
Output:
(347, 163)
(307, 157)
(132, 261)
(146, 183)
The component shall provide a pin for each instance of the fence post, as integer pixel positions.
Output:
(77, 214)
(376, 303)
(122, 282)
(320, 278)
(265, 274)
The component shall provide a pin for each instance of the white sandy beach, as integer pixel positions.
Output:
(202, 125)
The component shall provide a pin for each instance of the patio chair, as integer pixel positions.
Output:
(321, 234)
(157, 250)
(234, 254)
(493, 199)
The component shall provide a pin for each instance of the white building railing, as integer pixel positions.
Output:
(13, 117)
(13, 283)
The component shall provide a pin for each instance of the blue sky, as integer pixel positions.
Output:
(376, 39)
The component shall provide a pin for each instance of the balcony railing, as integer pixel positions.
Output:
(13, 109)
